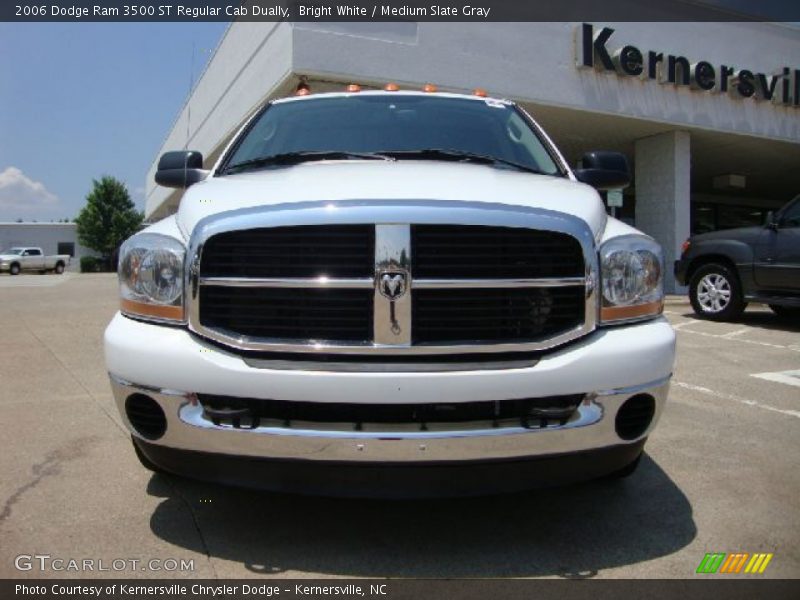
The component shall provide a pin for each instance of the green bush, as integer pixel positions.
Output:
(109, 217)
(95, 264)
(89, 264)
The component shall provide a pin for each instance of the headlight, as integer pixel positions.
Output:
(632, 270)
(151, 277)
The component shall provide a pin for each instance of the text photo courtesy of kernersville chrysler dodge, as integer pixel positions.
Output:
(391, 293)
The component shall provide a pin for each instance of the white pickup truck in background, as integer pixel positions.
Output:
(18, 259)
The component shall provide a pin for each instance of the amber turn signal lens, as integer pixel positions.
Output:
(617, 313)
(480, 92)
(391, 87)
(158, 311)
(353, 88)
(429, 87)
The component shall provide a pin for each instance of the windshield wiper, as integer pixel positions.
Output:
(293, 158)
(459, 155)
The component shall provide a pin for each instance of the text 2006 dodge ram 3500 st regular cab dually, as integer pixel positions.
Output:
(390, 293)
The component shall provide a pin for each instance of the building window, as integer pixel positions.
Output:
(791, 216)
(66, 248)
(625, 213)
(711, 217)
(704, 218)
(729, 217)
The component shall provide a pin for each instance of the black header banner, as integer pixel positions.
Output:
(393, 10)
(703, 587)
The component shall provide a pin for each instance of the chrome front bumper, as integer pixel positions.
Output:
(592, 427)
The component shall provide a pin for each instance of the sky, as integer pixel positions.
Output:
(83, 100)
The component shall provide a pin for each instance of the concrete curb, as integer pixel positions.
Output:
(675, 300)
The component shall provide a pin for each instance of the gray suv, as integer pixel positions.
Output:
(727, 269)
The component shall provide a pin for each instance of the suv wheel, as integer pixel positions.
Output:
(715, 293)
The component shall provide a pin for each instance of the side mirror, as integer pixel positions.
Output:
(771, 222)
(180, 169)
(604, 170)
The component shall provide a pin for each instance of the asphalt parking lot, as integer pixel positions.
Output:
(721, 473)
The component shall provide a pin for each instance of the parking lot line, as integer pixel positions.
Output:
(736, 339)
(732, 334)
(100, 405)
(787, 377)
(26, 280)
(724, 396)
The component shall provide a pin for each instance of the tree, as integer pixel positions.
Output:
(109, 217)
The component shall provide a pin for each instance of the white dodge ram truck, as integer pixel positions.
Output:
(390, 293)
(18, 259)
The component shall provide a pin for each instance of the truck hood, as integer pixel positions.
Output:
(331, 181)
(8, 256)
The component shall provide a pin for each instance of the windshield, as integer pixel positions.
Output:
(400, 126)
(16, 251)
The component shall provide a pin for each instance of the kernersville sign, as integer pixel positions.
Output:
(592, 51)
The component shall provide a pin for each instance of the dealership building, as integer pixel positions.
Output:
(708, 114)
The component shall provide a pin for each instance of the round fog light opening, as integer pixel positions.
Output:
(145, 416)
(635, 416)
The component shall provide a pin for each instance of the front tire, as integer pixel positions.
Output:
(715, 293)
(14, 270)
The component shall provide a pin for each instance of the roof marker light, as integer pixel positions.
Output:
(353, 87)
(392, 87)
(429, 87)
(480, 92)
(302, 89)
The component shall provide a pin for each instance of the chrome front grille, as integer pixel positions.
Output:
(474, 252)
(495, 315)
(296, 313)
(323, 280)
(292, 252)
